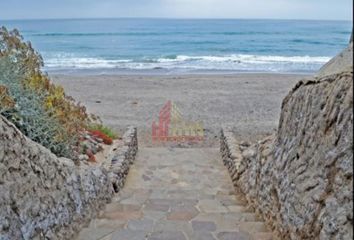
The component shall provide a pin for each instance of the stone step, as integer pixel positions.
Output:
(177, 194)
(128, 234)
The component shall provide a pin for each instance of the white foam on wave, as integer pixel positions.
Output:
(248, 58)
(83, 63)
(237, 62)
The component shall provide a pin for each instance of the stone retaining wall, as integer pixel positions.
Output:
(46, 197)
(300, 180)
(123, 158)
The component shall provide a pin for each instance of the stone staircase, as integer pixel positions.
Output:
(177, 194)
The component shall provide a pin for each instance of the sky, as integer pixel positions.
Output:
(269, 9)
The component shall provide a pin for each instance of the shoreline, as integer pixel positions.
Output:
(162, 72)
(250, 103)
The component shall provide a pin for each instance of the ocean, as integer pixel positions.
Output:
(171, 46)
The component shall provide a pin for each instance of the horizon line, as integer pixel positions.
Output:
(171, 18)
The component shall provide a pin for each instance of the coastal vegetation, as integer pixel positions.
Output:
(103, 129)
(39, 108)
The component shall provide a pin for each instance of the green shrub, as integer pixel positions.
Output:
(39, 108)
(28, 112)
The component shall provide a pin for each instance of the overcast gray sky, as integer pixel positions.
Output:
(284, 9)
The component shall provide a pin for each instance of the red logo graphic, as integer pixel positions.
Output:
(172, 127)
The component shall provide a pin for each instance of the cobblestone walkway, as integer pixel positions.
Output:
(177, 194)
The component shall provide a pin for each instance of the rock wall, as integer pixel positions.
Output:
(122, 159)
(300, 180)
(45, 197)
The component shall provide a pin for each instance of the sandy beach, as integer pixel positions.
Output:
(250, 103)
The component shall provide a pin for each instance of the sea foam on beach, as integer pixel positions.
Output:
(240, 63)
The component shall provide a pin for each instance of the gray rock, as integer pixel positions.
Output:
(83, 157)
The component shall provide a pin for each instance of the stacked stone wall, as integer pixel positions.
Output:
(300, 180)
(46, 197)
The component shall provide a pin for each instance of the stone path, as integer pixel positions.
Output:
(177, 194)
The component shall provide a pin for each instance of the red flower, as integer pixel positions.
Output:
(98, 134)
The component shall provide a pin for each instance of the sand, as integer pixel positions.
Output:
(249, 103)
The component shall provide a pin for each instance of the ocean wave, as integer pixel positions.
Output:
(237, 62)
(347, 33)
(83, 63)
(244, 58)
(232, 33)
(93, 34)
(312, 42)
